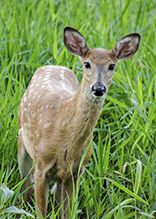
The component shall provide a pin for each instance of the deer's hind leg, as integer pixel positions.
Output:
(25, 163)
(68, 192)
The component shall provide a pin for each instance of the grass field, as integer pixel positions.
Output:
(120, 179)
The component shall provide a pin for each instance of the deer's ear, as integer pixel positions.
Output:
(75, 42)
(127, 46)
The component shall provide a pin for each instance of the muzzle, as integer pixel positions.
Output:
(99, 89)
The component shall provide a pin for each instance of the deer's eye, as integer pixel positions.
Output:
(87, 65)
(111, 67)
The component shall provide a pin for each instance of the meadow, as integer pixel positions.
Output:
(120, 179)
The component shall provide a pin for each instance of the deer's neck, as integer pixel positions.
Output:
(88, 109)
(82, 113)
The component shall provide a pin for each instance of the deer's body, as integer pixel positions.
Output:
(57, 116)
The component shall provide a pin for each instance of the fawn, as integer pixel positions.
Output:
(57, 117)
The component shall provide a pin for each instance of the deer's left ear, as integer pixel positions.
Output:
(127, 46)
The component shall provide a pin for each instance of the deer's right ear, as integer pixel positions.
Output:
(75, 42)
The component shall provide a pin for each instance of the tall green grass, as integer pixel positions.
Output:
(120, 179)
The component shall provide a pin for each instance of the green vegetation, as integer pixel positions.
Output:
(120, 179)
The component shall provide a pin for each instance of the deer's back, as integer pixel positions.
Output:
(54, 81)
(50, 87)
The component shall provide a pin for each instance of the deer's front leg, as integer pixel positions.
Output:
(41, 192)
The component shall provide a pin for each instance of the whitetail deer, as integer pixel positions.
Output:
(57, 116)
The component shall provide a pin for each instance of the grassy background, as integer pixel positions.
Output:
(119, 181)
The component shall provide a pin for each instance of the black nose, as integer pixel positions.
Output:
(98, 89)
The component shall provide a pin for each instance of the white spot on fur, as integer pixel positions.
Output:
(38, 97)
(66, 121)
(70, 98)
(45, 79)
(33, 115)
(48, 70)
(25, 124)
(19, 131)
(47, 124)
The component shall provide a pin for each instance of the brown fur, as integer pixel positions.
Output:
(57, 118)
